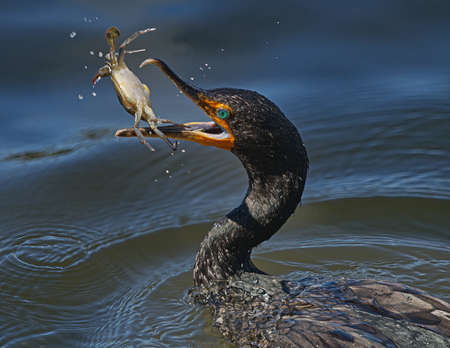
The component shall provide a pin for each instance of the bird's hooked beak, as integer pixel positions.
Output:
(214, 133)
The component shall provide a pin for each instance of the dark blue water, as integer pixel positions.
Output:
(99, 235)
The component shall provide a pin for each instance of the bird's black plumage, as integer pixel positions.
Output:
(255, 309)
(272, 152)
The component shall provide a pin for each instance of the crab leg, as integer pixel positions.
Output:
(111, 35)
(136, 51)
(164, 137)
(137, 119)
(149, 111)
(131, 39)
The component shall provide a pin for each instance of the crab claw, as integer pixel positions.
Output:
(111, 35)
(95, 80)
(102, 72)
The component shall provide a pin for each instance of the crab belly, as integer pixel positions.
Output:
(129, 89)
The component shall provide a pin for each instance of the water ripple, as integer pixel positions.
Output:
(53, 252)
(156, 316)
(53, 248)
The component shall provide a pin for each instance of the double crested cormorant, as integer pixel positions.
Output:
(255, 309)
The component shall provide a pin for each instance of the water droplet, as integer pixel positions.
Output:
(80, 97)
(222, 50)
(192, 78)
(152, 29)
(85, 67)
(170, 176)
(94, 94)
(183, 150)
(96, 18)
(277, 22)
(72, 34)
(156, 180)
(91, 53)
(167, 171)
(201, 68)
(206, 64)
(100, 54)
(209, 68)
(84, 19)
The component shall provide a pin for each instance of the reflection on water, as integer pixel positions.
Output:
(99, 234)
(32, 155)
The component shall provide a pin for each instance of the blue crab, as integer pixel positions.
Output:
(132, 93)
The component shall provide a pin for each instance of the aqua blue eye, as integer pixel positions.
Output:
(223, 113)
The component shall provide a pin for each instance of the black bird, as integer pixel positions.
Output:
(252, 308)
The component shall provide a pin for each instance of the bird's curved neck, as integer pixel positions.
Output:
(272, 197)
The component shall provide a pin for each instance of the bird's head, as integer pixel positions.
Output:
(241, 121)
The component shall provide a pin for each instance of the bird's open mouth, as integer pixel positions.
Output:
(213, 133)
(206, 133)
